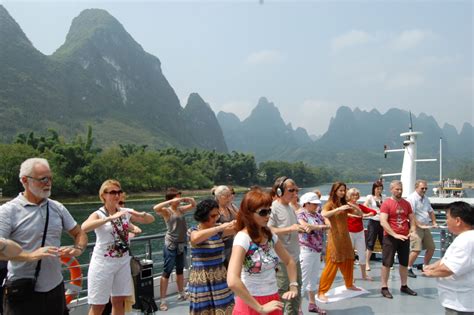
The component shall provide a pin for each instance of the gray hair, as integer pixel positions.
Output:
(221, 190)
(396, 182)
(26, 168)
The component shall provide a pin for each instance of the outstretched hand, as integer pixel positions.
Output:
(42, 252)
(271, 306)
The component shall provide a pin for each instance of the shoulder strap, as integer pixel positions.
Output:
(38, 264)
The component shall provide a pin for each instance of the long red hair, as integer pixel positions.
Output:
(252, 201)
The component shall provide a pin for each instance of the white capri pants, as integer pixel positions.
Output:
(310, 266)
(108, 277)
(358, 243)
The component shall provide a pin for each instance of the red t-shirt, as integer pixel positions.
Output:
(356, 225)
(398, 212)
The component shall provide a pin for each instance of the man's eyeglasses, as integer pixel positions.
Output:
(424, 188)
(263, 212)
(42, 180)
(114, 192)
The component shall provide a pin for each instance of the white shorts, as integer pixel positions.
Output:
(108, 277)
(358, 243)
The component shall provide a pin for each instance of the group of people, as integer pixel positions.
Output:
(274, 238)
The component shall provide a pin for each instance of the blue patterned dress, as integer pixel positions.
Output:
(209, 293)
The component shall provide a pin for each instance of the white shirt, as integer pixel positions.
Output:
(457, 291)
(421, 207)
(107, 236)
(258, 270)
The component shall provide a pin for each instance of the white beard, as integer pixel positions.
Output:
(38, 192)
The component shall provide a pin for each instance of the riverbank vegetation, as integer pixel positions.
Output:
(79, 167)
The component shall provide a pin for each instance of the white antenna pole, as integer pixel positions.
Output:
(440, 160)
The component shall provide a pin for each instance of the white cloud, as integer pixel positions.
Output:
(410, 39)
(240, 108)
(265, 57)
(404, 80)
(439, 61)
(312, 115)
(351, 38)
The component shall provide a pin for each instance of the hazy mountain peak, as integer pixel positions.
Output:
(195, 101)
(11, 33)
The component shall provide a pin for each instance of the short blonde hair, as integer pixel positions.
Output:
(351, 192)
(106, 184)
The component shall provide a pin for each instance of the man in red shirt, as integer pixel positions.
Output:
(398, 222)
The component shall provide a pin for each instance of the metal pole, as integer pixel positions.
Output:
(440, 160)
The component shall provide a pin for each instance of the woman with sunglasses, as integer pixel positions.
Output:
(227, 213)
(311, 244)
(339, 252)
(208, 290)
(255, 255)
(109, 270)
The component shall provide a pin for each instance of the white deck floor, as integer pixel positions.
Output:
(426, 302)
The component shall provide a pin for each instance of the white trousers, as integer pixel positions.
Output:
(358, 243)
(310, 268)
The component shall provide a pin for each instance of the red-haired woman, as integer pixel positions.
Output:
(255, 255)
(339, 252)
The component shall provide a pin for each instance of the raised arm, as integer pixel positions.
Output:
(94, 220)
(200, 236)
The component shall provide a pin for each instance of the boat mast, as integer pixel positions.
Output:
(440, 160)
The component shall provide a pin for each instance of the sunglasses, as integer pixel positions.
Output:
(114, 192)
(424, 188)
(42, 180)
(263, 212)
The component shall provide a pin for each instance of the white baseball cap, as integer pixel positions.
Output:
(309, 197)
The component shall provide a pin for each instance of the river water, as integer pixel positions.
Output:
(81, 211)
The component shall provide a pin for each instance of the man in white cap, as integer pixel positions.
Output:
(311, 244)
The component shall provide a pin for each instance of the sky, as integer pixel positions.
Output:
(307, 57)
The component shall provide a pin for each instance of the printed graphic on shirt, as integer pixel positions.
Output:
(260, 257)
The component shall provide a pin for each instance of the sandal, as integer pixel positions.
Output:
(163, 306)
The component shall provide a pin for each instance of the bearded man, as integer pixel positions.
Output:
(34, 282)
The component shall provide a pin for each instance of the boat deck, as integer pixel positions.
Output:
(426, 302)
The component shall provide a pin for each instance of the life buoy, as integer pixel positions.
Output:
(74, 286)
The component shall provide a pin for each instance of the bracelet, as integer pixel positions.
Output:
(294, 284)
(79, 248)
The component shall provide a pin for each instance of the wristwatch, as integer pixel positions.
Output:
(294, 284)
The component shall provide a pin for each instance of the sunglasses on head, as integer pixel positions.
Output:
(263, 212)
(114, 192)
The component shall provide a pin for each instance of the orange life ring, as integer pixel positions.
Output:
(75, 282)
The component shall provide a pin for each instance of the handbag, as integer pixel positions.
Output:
(135, 265)
(21, 290)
